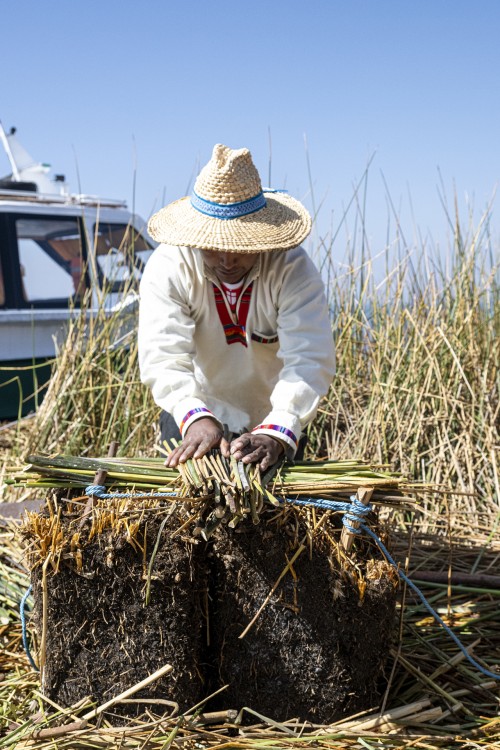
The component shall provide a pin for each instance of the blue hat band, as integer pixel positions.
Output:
(228, 210)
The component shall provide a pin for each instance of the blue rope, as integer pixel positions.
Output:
(99, 490)
(354, 510)
(24, 628)
(426, 604)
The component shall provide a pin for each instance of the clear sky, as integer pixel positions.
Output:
(413, 84)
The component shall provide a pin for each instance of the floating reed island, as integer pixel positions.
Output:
(236, 580)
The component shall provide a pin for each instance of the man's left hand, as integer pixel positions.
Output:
(259, 449)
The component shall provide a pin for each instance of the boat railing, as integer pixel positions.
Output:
(68, 200)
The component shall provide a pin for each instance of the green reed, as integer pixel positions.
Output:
(417, 384)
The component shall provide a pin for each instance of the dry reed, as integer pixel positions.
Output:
(418, 386)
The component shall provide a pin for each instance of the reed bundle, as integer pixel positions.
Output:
(226, 490)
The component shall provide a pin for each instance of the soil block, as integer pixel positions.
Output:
(316, 651)
(102, 637)
(318, 648)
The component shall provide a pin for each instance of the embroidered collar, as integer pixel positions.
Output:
(233, 322)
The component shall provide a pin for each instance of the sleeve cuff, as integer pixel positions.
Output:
(188, 411)
(282, 426)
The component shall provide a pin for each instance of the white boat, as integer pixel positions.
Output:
(55, 247)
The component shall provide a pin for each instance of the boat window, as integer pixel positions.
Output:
(51, 259)
(121, 253)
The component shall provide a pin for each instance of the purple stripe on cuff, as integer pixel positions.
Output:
(190, 414)
(277, 428)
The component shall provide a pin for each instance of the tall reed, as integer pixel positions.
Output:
(95, 395)
(417, 384)
(418, 372)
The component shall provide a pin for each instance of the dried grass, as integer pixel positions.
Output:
(418, 387)
(434, 698)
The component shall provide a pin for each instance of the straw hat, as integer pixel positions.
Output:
(229, 211)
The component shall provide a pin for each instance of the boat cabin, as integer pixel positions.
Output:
(55, 247)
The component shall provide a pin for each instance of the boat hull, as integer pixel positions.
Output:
(23, 383)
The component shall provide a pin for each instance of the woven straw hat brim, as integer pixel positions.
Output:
(282, 224)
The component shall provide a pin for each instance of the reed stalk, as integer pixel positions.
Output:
(417, 389)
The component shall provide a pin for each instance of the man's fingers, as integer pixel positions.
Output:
(254, 456)
(225, 448)
(205, 446)
(173, 459)
(240, 444)
(193, 448)
(247, 448)
(266, 462)
(187, 452)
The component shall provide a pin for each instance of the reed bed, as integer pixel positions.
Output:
(434, 698)
(419, 368)
(418, 388)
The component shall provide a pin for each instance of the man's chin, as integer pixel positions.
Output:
(230, 278)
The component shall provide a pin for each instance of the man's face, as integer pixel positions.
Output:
(229, 267)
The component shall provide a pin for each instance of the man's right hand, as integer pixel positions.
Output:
(201, 436)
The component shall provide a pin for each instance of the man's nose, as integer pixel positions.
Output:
(228, 260)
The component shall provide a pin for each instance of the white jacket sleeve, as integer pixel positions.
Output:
(306, 349)
(165, 339)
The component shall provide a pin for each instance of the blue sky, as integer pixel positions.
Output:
(415, 85)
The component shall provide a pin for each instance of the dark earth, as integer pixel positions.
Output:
(316, 651)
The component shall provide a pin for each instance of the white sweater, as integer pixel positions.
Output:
(273, 387)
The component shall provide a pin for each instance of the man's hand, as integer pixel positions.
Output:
(259, 449)
(200, 437)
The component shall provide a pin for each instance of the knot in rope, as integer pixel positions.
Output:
(97, 490)
(355, 512)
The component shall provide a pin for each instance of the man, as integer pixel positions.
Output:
(234, 334)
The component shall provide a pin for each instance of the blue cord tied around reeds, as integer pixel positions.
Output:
(99, 490)
(354, 512)
(24, 630)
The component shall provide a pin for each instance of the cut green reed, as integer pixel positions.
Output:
(78, 471)
(227, 490)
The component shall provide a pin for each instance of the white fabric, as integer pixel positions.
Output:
(186, 361)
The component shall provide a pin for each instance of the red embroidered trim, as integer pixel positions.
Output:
(264, 339)
(277, 428)
(232, 295)
(234, 331)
